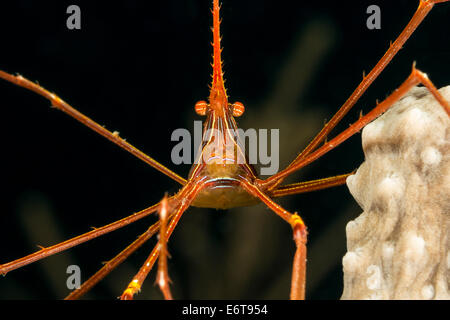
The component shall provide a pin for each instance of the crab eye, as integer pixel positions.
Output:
(238, 109)
(200, 108)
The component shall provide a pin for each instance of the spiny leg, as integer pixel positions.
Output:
(421, 12)
(309, 186)
(58, 103)
(45, 252)
(114, 262)
(424, 8)
(162, 278)
(298, 280)
(300, 238)
(414, 79)
(186, 195)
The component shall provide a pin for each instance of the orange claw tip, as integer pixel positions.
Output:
(126, 295)
(238, 109)
(200, 108)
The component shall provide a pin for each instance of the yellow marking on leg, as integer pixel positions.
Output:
(295, 220)
(133, 287)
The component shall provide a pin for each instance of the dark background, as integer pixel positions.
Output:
(138, 67)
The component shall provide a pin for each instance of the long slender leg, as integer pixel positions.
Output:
(308, 186)
(45, 252)
(58, 103)
(113, 263)
(298, 280)
(414, 78)
(162, 278)
(191, 190)
(424, 8)
(300, 237)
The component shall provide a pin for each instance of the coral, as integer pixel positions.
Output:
(398, 248)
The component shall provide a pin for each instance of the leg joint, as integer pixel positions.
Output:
(295, 221)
